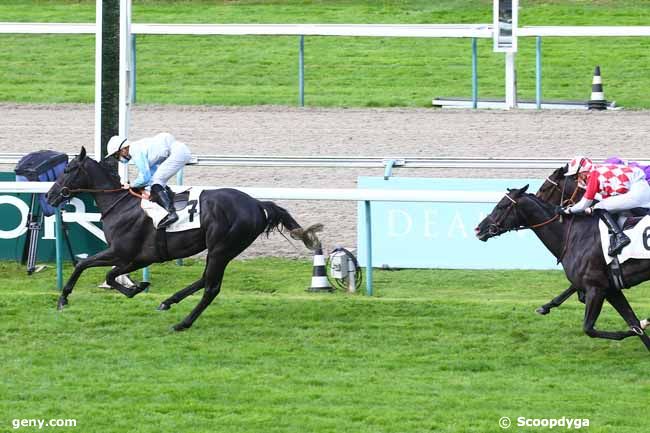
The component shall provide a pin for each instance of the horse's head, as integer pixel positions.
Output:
(80, 173)
(558, 188)
(503, 218)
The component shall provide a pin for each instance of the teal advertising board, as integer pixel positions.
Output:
(441, 235)
(14, 209)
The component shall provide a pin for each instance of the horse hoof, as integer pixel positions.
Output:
(543, 310)
(61, 304)
(180, 327)
(163, 307)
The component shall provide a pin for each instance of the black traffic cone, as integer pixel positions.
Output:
(319, 281)
(597, 101)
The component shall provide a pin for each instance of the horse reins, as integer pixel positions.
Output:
(497, 223)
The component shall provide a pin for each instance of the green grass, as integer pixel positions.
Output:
(435, 351)
(339, 71)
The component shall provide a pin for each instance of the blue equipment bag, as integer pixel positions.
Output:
(41, 166)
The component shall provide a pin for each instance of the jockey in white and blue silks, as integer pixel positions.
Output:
(157, 158)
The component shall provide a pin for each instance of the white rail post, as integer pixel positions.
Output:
(368, 249)
(511, 81)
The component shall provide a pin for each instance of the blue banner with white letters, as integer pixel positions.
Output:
(441, 235)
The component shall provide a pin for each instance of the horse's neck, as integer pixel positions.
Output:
(552, 234)
(107, 202)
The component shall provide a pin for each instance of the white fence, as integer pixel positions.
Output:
(367, 30)
(361, 161)
(473, 31)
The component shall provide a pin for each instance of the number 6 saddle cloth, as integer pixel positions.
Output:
(639, 234)
(187, 206)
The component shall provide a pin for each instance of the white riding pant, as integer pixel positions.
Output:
(637, 196)
(179, 155)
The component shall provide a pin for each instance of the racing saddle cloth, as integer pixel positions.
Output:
(187, 206)
(637, 228)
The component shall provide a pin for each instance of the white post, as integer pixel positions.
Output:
(125, 70)
(511, 81)
(98, 80)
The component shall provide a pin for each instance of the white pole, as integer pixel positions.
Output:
(98, 80)
(125, 68)
(511, 81)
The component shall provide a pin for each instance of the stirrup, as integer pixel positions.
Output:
(168, 220)
(621, 242)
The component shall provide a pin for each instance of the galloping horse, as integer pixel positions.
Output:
(575, 241)
(230, 221)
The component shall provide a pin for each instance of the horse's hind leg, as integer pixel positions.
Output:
(593, 306)
(557, 301)
(213, 277)
(182, 294)
(620, 303)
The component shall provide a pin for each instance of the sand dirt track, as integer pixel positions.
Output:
(337, 132)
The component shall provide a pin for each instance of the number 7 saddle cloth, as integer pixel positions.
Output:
(187, 206)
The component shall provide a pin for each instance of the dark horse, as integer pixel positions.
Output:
(230, 221)
(575, 241)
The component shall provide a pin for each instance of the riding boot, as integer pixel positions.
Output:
(161, 196)
(618, 239)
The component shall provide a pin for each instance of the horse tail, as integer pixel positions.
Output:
(277, 216)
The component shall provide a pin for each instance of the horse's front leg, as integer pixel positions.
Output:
(121, 270)
(557, 301)
(620, 303)
(593, 306)
(104, 258)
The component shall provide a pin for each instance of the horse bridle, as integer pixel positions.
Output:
(571, 200)
(495, 227)
(66, 192)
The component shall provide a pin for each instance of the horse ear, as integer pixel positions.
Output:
(82, 153)
(524, 189)
(509, 189)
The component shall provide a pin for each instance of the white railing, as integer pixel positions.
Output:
(371, 30)
(473, 31)
(332, 194)
(360, 161)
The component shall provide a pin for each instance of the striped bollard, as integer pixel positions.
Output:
(597, 100)
(319, 281)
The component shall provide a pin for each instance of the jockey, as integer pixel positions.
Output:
(158, 158)
(621, 187)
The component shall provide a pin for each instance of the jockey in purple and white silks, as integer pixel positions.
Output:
(157, 158)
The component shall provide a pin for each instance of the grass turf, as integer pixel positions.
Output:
(436, 350)
(248, 70)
